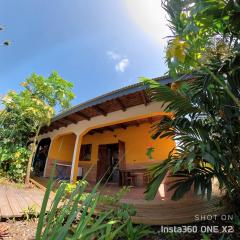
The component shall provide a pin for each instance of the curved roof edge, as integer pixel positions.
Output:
(113, 94)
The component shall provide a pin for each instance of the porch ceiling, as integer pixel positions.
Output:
(125, 125)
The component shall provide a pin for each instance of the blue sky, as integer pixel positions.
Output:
(98, 45)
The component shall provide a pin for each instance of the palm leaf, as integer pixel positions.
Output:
(171, 100)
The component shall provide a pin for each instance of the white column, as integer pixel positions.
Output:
(74, 160)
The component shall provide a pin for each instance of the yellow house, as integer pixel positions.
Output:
(109, 135)
(107, 139)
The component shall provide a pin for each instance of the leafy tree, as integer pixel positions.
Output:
(206, 108)
(24, 115)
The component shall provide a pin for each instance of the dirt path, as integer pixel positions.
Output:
(19, 230)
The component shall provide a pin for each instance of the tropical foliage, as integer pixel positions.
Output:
(24, 114)
(72, 215)
(205, 120)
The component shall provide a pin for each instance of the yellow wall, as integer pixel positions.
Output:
(61, 150)
(137, 140)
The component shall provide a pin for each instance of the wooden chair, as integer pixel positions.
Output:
(130, 179)
(146, 177)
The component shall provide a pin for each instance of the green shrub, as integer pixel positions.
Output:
(73, 217)
(13, 161)
(205, 43)
(74, 214)
(70, 187)
(135, 232)
(115, 198)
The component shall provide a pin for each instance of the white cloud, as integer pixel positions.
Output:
(113, 55)
(122, 60)
(122, 65)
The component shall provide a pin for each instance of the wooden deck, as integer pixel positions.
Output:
(164, 211)
(178, 212)
(15, 201)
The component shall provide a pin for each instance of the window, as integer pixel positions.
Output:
(85, 153)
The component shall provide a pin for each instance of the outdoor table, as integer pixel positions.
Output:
(138, 173)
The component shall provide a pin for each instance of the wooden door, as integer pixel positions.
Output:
(102, 163)
(121, 155)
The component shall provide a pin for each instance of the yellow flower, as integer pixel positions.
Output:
(32, 110)
(175, 86)
(177, 49)
(17, 155)
(24, 84)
